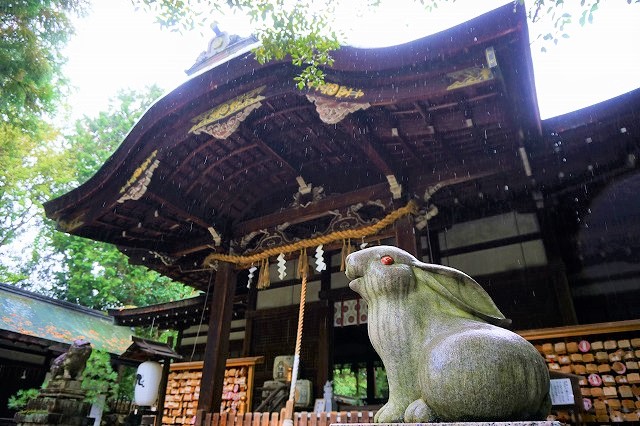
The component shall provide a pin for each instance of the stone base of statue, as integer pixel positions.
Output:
(530, 423)
(61, 403)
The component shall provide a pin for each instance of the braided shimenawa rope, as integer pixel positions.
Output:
(410, 208)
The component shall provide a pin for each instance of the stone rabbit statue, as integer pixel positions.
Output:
(441, 340)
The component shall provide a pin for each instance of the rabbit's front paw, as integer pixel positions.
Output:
(419, 412)
(389, 413)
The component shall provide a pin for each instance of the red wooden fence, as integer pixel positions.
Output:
(274, 419)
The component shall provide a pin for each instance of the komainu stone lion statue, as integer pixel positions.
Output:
(71, 364)
(441, 339)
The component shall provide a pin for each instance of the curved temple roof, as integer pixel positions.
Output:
(238, 156)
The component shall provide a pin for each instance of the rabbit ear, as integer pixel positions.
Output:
(462, 290)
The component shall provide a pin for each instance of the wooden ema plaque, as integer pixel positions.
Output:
(605, 358)
(183, 389)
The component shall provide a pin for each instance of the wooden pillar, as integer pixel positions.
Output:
(551, 234)
(252, 301)
(406, 235)
(325, 338)
(371, 382)
(178, 344)
(563, 295)
(162, 391)
(217, 349)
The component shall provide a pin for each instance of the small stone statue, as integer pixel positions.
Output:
(440, 337)
(328, 396)
(71, 364)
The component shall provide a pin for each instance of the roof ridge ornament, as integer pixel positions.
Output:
(220, 47)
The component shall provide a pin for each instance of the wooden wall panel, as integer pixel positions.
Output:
(274, 333)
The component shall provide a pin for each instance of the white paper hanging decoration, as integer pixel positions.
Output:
(282, 266)
(252, 271)
(320, 265)
(147, 382)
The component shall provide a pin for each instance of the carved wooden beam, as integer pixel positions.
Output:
(373, 153)
(175, 204)
(254, 139)
(278, 113)
(314, 211)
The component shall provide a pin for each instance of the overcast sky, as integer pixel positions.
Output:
(117, 47)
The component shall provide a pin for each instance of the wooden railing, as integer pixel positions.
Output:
(275, 419)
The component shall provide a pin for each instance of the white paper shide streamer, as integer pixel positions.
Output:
(320, 264)
(282, 266)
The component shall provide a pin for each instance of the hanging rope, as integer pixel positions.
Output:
(303, 264)
(410, 208)
(204, 308)
(303, 272)
(296, 354)
(264, 280)
(347, 249)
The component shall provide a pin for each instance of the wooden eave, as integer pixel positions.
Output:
(149, 350)
(589, 147)
(180, 314)
(415, 125)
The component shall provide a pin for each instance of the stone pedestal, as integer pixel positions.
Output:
(544, 423)
(61, 403)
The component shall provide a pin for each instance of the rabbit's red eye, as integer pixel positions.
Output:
(387, 260)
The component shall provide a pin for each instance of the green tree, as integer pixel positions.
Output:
(83, 271)
(99, 276)
(300, 29)
(305, 32)
(32, 36)
(99, 378)
(350, 381)
(32, 171)
(23, 182)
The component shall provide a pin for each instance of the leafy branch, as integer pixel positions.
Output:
(303, 31)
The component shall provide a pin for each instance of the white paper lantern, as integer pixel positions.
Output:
(148, 379)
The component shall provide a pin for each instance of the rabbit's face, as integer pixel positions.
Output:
(381, 270)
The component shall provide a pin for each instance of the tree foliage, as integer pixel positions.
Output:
(27, 161)
(97, 274)
(99, 378)
(32, 36)
(19, 400)
(304, 31)
(33, 169)
(76, 269)
(39, 163)
(351, 383)
(299, 29)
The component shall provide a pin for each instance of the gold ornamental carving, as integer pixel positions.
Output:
(236, 110)
(137, 184)
(332, 111)
(469, 77)
(340, 92)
